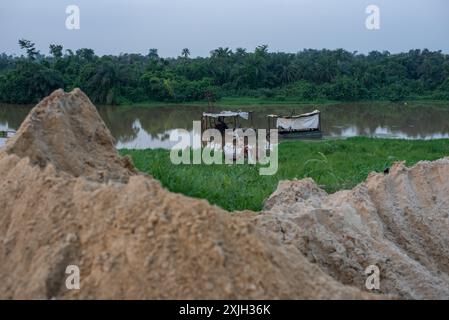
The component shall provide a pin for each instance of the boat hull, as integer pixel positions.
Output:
(316, 134)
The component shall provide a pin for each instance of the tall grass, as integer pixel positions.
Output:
(333, 164)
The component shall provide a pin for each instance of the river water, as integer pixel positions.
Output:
(138, 127)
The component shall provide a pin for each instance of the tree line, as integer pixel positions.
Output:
(308, 75)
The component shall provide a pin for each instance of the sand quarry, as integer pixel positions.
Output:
(67, 197)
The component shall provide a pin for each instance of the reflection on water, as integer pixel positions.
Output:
(385, 132)
(135, 127)
(141, 139)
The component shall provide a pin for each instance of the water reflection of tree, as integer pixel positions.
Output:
(158, 121)
(13, 114)
(413, 121)
(120, 122)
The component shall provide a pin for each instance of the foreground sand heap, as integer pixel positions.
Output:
(398, 222)
(66, 197)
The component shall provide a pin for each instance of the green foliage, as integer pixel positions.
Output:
(307, 75)
(29, 47)
(56, 50)
(443, 91)
(333, 164)
(100, 81)
(153, 54)
(29, 82)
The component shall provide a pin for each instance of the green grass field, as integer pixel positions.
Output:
(333, 164)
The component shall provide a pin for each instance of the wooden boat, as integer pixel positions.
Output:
(303, 126)
(224, 119)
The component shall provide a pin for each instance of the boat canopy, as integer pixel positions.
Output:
(306, 121)
(243, 115)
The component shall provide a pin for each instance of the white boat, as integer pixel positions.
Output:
(307, 125)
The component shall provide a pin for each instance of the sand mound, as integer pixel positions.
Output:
(66, 130)
(66, 197)
(399, 222)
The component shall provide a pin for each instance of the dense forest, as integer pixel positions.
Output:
(308, 75)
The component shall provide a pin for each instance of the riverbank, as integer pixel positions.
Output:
(247, 102)
(333, 164)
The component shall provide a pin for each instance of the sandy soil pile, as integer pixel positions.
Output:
(65, 130)
(399, 222)
(66, 197)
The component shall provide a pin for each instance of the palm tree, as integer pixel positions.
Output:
(29, 47)
(86, 54)
(261, 50)
(152, 54)
(56, 50)
(185, 53)
(240, 52)
(221, 53)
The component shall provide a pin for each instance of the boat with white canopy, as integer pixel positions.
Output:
(225, 120)
(307, 125)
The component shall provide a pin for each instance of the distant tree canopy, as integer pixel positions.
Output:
(29, 47)
(307, 75)
(56, 50)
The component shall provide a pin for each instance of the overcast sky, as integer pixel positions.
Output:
(115, 26)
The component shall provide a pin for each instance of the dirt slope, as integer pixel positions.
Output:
(399, 222)
(66, 197)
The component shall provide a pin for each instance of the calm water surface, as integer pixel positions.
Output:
(135, 127)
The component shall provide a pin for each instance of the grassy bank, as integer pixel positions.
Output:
(247, 102)
(334, 164)
(236, 102)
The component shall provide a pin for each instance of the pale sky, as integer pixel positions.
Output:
(134, 26)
